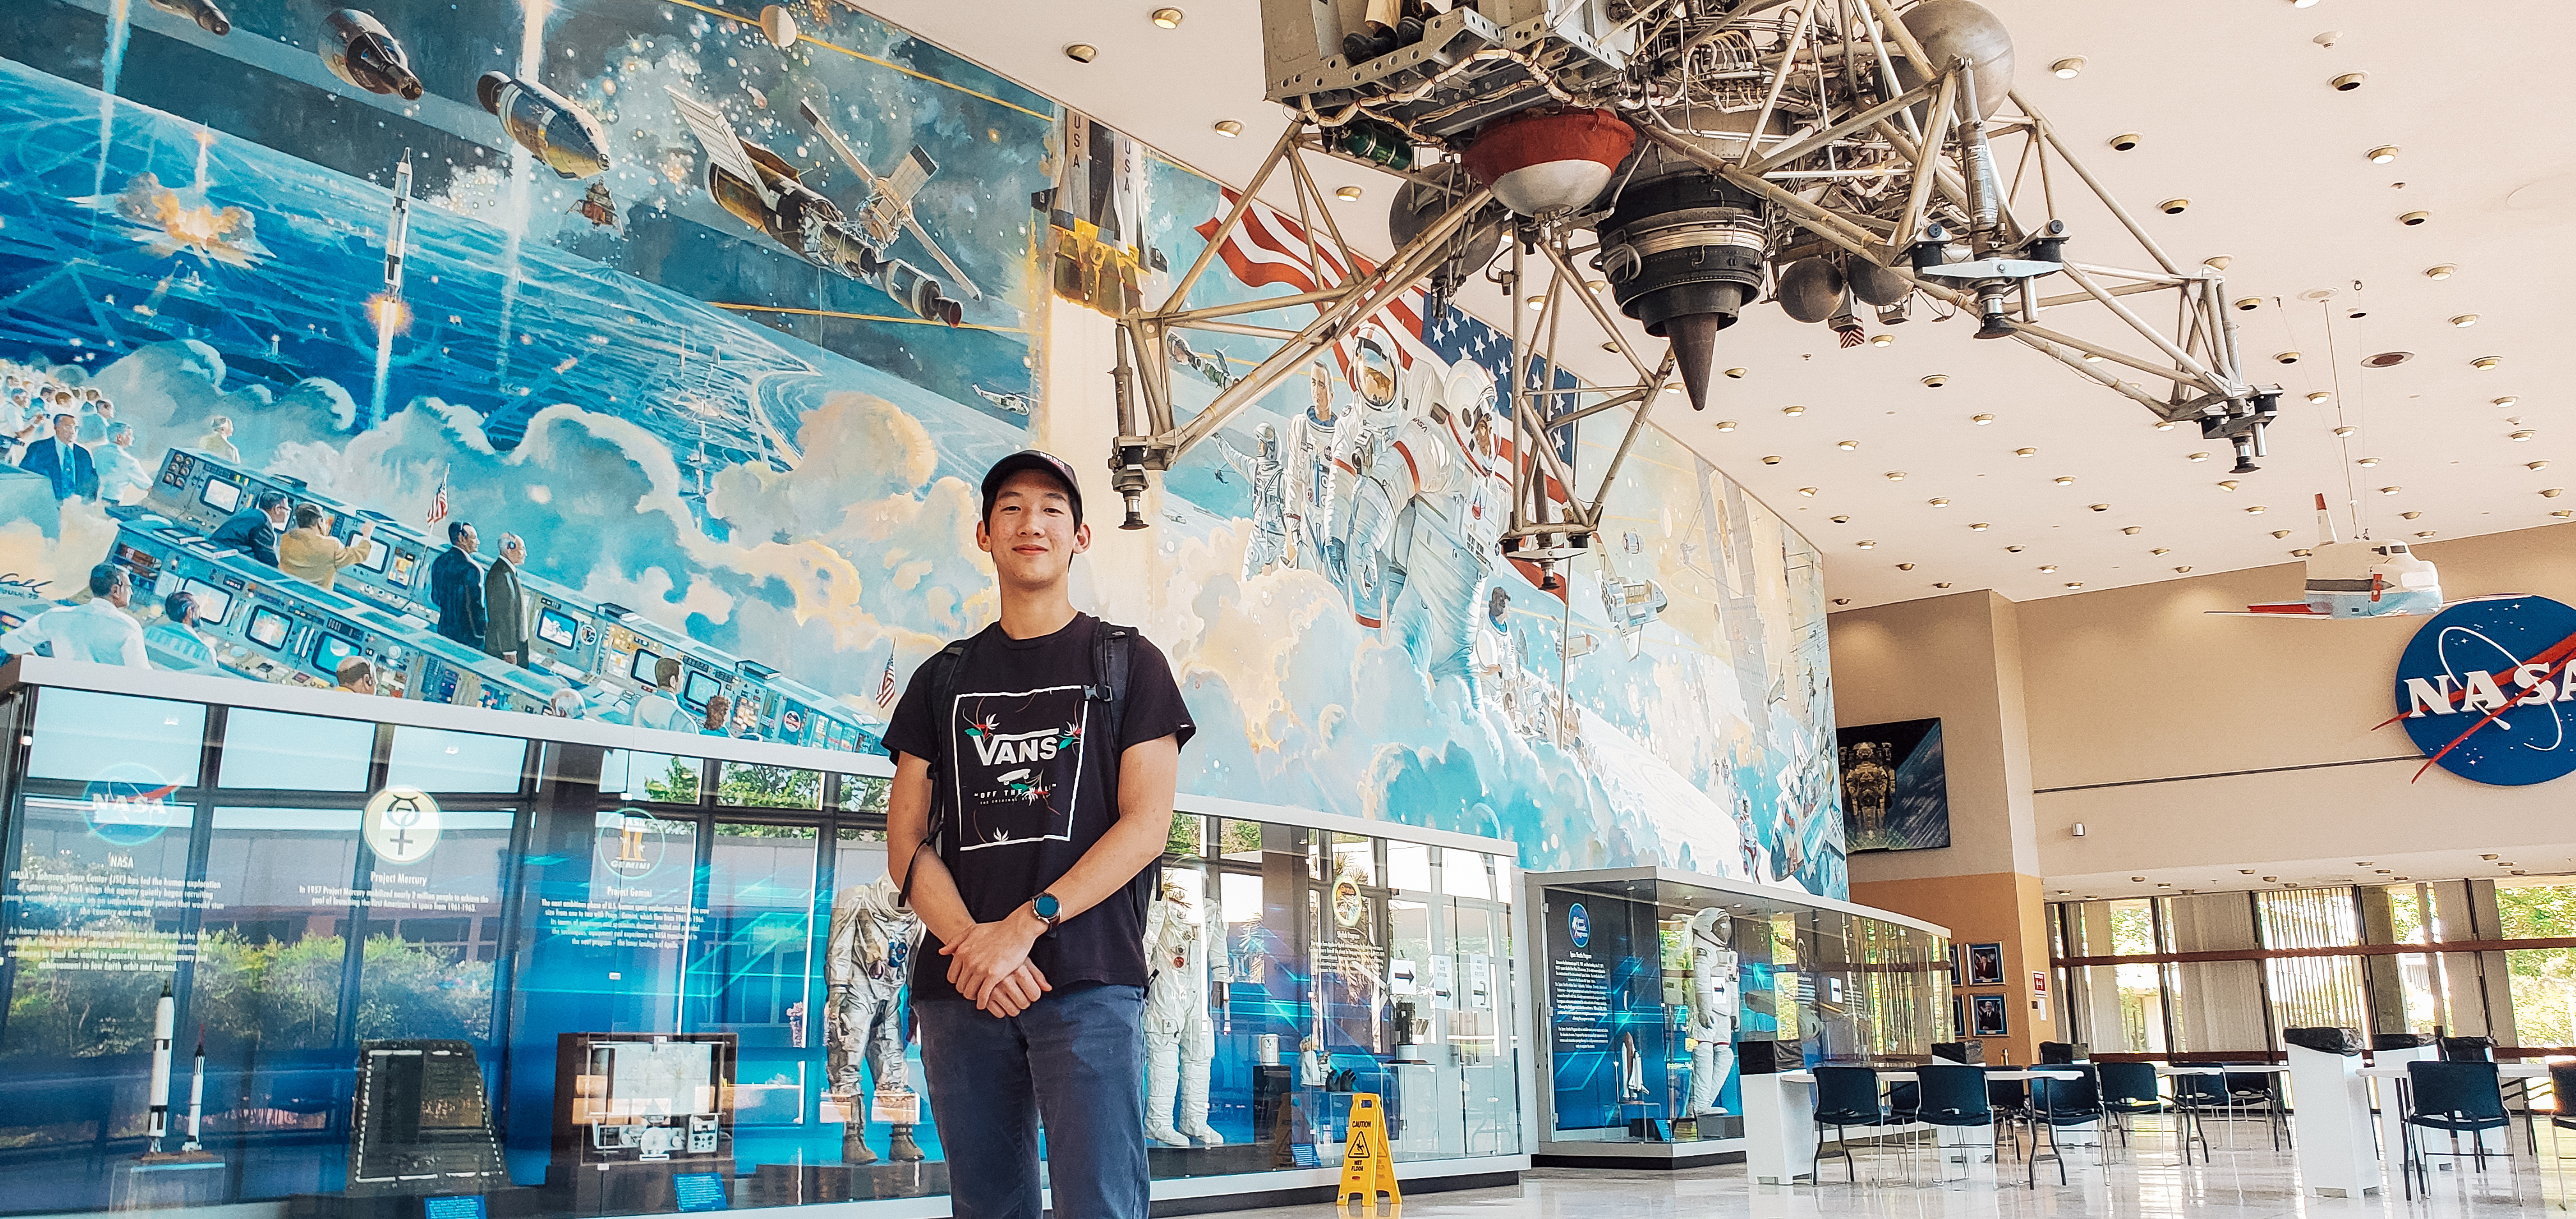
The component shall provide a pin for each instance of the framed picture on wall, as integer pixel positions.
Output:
(1896, 793)
(1985, 964)
(1987, 1017)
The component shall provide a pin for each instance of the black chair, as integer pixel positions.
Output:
(2460, 1097)
(2056, 1103)
(2129, 1090)
(2010, 1100)
(1845, 1096)
(2194, 1096)
(1954, 1096)
(2257, 1092)
(2562, 1089)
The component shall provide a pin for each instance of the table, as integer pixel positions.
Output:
(1780, 1116)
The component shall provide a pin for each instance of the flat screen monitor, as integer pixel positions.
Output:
(700, 688)
(556, 627)
(221, 495)
(267, 627)
(212, 603)
(642, 669)
(330, 650)
(379, 553)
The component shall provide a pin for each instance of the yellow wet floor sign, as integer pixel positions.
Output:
(1367, 1163)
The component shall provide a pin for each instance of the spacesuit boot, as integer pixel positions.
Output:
(1162, 1087)
(1194, 1089)
(854, 1146)
(904, 1149)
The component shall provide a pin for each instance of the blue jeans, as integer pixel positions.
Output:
(1074, 1060)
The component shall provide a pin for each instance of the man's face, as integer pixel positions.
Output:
(277, 515)
(66, 427)
(364, 683)
(516, 551)
(467, 542)
(1030, 532)
(121, 594)
(225, 428)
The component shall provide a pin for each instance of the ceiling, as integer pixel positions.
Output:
(2232, 101)
(2507, 865)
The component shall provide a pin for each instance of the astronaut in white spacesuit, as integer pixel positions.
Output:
(1317, 444)
(1716, 998)
(1180, 1039)
(871, 941)
(1270, 544)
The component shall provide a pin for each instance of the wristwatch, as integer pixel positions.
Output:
(1047, 909)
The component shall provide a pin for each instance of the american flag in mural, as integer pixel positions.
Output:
(1271, 248)
(438, 502)
(885, 685)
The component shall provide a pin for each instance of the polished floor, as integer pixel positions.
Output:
(2245, 1179)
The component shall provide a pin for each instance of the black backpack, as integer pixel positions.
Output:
(1113, 651)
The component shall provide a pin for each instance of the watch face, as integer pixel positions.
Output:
(1046, 906)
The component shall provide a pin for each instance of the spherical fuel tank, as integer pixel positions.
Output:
(1962, 29)
(1811, 289)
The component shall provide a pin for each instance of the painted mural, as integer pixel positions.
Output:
(705, 321)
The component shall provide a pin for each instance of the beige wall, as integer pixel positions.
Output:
(2140, 689)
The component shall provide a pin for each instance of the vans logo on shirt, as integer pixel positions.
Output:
(1016, 783)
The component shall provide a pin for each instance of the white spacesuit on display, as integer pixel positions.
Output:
(870, 946)
(1715, 999)
(1180, 1039)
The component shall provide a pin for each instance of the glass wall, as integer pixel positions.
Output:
(1650, 982)
(393, 960)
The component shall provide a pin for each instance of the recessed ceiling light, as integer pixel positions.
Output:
(2133, 530)
(1081, 52)
(2197, 457)
(1905, 567)
(2349, 81)
(2443, 271)
(2483, 363)
(2367, 462)
(1793, 410)
(2227, 484)
(1842, 600)
(2137, 880)
(2068, 67)
(1882, 339)
(1673, 388)
(1809, 492)
(2286, 357)
(2101, 507)
(1348, 193)
(2507, 400)
(1935, 381)
(1595, 286)
(1771, 460)
(2064, 480)
(1726, 425)
(2012, 550)
(2535, 465)
(2410, 515)
(1846, 445)
(2424, 533)
(1981, 420)
(2250, 303)
(1839, 520)
(2524, 434)
(2075, 584)
(2387, 359)
(2465, 319)
(2025, 452)
(1866, 544)
(2048, 567)
(1938, 503)
(2255, 508)
(2164, 425)
(2412, 219)
(2278, 534)
(2564, 513)
(1168, 18)
(2553, 492)
(1940, 584)
(2302, 553)
(2346, 430)
(2182, 571)
(2319, 395)
(1896, 476)
(1229, 128)
(2173, 206)
(2125, 141)
(2091, 358)
(1735, 374)
(2161, 551)
(2383, 154)
(1535, 302)
(1978, 526)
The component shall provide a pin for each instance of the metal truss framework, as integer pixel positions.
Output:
(1906, 179)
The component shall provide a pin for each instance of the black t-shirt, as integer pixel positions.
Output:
(1028, 799)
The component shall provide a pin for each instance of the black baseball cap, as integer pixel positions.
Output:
(1044, 463)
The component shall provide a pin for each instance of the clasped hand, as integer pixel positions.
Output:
(989, 965)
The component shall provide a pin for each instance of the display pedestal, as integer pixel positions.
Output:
(796, 1184)
(173, 1181)
(508, 1202)
(631, 1188)
(1208, 1161)
(2338, 1155)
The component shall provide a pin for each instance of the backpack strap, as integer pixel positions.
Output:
(944, 668)
(1113, 655)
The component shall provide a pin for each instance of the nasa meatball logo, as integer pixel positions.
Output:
(400, 824)
(2485, 690)
(1578, 925)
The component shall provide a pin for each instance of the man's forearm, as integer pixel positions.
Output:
(1144, 828)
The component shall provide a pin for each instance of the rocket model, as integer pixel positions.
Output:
(360, 50)
(197, 1096)
(2363, 579)
(205, 13)
(553, 128)
(165, 1017)
(398, 229)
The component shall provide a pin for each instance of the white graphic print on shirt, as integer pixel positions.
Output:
(1019, 763)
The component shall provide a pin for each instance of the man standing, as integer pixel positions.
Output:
(309, 553)
(253, 530)
(505, 605)
(1048, 746)
(96, 630)
(62, 460)
(456, 587)
(218, 439)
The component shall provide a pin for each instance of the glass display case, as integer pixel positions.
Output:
(629, 971)
(1647, 978)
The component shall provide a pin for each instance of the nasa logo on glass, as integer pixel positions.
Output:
(2485, 691)
(1578, 924)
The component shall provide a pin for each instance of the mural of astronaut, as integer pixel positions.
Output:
(1317, 449)
(1271, 544)
(871, 940)
(1716, 998)
(1180, 1039)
